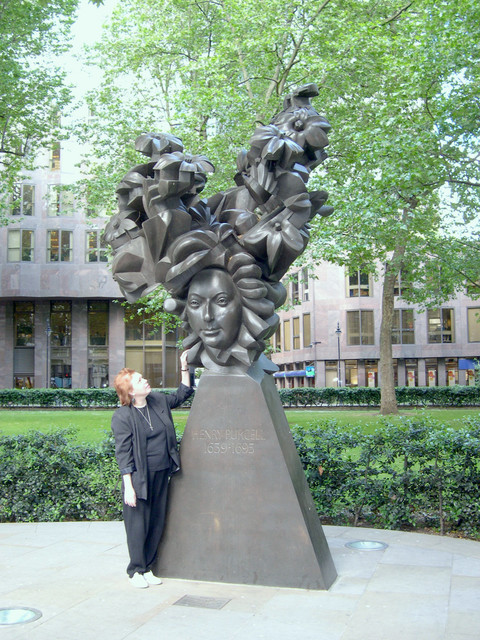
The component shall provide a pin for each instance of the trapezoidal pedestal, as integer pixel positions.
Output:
(240, 510)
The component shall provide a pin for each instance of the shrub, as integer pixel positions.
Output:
(409, 474)
(61, 398)
(455, 396)
(44, 477)
(412, 473)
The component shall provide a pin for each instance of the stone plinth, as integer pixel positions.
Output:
(240, 510)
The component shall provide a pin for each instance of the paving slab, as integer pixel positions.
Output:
(418, 587)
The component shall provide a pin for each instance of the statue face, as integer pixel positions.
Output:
(214, 309)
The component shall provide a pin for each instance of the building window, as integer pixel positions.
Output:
(358, 284)
(97, 323)
(307, 332)
(296, 333)
(55, 157)
(331, 373)
(20, 245)
(295, 289)
(59, 246)
(24, 342)
(360, 328)
(277, 339)
(96, 247)
(23, 200)
(403, 328)
(351, 373)
(24, 314)
(473, 315)
(411, 372)
(61, 324)
(400, 285)
(451, 369)
(431, 367)
(371, 373)
(440, 325)
(146, 348)
(138, 328)
(287, 339)
(60, 201)
(61, 344)
(97, 344)
(134, 329)
(305, 285)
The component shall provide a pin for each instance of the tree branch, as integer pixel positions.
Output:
(426, 100)
(241, 57)
(468, 183)
(280, 54)
(397, 14)
(298, 46)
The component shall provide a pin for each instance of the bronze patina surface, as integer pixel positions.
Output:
(240, 509)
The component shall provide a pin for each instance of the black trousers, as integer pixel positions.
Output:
(144, 523)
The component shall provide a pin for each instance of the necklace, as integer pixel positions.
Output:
(145, 417)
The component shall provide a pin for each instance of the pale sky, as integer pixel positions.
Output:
(86, 31)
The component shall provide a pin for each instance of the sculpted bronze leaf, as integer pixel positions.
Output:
(221, 259)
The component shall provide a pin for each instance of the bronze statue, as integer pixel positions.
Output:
(221, 259)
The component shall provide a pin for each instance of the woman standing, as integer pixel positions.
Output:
(146, 452)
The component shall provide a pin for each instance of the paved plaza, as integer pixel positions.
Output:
(419, 587)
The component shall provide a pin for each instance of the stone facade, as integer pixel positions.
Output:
(315, 353)
(51, 255)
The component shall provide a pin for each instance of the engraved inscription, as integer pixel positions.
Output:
(229, 441)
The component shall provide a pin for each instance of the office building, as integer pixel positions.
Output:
(330, 334)
(61, 318)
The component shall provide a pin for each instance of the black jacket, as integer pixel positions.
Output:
(131, 439)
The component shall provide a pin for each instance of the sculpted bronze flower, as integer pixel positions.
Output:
(305, 129)
(308, 130)
(271, 144)
(153, 145)
(176, 175)
(279, 239)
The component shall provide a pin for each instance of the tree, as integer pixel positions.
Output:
(399, 83)
(207, 71)
(32, 89)
(407, 159)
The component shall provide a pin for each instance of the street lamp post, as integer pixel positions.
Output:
(338, 332)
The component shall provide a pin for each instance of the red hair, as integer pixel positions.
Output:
(123, 385)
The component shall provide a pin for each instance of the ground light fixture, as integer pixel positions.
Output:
(366, 545)
(18, 615)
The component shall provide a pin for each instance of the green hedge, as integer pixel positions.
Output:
(65, 398)
(46, 477)
(456, 396)
(412, 473)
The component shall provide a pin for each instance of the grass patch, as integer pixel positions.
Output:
(91, 426)
(371, 419)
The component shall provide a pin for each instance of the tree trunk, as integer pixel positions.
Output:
(388, 400)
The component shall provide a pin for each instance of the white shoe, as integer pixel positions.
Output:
(138, 581)
(151, 579)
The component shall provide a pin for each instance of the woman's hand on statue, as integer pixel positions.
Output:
(185, 369)
(183, 359)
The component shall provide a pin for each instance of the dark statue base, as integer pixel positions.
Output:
(240, 511)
